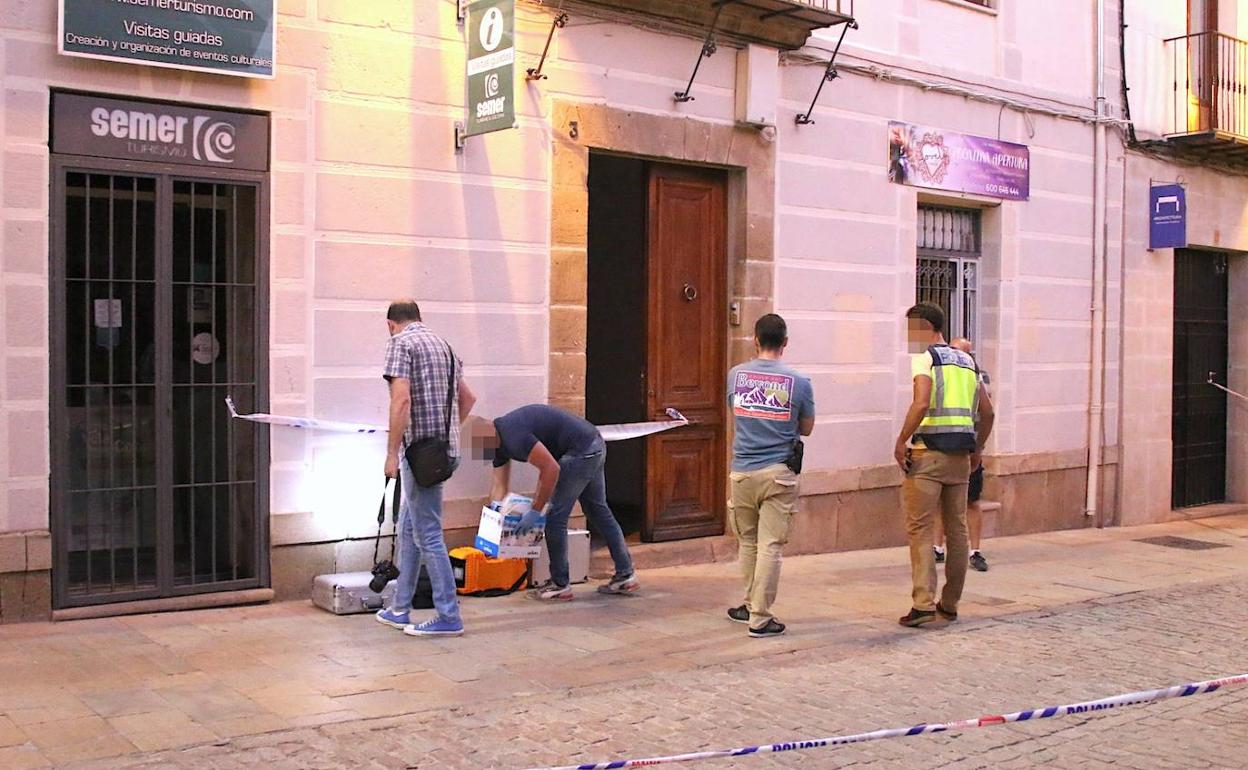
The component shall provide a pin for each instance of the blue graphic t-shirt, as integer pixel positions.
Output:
(767, 399)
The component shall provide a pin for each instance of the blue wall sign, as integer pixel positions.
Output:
(1167, 217)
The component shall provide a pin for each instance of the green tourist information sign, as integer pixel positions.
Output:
(491, 66)
(228, 37)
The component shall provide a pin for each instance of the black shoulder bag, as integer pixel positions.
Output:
(430, 457)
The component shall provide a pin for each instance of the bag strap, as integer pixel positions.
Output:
(394, 514)
(450, 391)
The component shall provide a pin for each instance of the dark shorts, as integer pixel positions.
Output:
(976, 487)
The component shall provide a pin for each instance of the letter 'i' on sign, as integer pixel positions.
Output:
(1167, 217)
(491, 66)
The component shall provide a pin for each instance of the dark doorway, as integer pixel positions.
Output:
(615, 372)
(158, 287)
(657, 338)
(1201, 336)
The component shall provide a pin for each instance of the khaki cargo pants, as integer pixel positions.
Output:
(763, 505)
(936, 482)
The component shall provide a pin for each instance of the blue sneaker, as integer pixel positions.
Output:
(436, 626)
(388, 617)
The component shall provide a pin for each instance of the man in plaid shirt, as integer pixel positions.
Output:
(419, 369)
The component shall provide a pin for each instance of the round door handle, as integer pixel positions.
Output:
(690, 292)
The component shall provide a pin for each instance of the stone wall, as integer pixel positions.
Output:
(25, 576)
(861, 508)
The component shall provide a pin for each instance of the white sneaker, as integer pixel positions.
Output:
(618, 584)
(549, 592)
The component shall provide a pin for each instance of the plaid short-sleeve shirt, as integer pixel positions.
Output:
(423, 358)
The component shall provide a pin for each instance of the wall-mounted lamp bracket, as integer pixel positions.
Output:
(535, 73)
(829, 74)
(708, 50)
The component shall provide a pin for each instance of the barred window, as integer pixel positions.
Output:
(948, 267)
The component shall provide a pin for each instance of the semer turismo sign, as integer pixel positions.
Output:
(103, 127)
(228, 37)
(491, 66)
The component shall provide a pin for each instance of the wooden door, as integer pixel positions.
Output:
(686, 350)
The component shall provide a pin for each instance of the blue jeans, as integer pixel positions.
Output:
(420, 539)
(581, 478)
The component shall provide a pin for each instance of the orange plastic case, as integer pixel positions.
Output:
(478, 575)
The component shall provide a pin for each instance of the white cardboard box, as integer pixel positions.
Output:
(498, 537)
(578, 559)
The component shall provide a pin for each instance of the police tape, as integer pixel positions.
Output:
(609, 432)
(1088, 707)
(1225, 389)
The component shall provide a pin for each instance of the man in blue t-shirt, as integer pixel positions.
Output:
(772, 407)
(569, 455)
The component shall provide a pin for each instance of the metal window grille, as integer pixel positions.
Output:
(948, 265)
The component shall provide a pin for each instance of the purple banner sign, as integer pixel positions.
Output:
(922, 156)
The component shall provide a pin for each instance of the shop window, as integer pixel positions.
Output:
(949, 250)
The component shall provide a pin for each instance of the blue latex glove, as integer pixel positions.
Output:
(529, 519)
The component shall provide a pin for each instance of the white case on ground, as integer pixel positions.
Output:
(578, 559)
(347, 593)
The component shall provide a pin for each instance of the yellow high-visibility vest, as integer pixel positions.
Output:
(949, 425)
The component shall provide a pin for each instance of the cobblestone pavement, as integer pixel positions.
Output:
(1035, 659)
(667, 680)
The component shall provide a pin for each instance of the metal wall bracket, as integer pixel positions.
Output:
(461, 11)
(830, 74)
(461, 136)
(708, 50)
(535, 73)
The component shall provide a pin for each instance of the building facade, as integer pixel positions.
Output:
(608, 254)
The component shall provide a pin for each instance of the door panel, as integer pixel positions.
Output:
(155, 283)
(688, 483)
(1199, 416)
(109, 467)
(213, 331)
(686, 351)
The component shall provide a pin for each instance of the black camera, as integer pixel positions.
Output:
(383, 573)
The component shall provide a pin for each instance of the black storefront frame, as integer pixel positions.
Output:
(165, 176)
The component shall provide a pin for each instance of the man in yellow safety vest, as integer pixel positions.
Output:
(940, 442)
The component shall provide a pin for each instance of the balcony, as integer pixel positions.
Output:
(784, 24)
(1209, 106)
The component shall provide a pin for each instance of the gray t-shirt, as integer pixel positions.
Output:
(767, 399)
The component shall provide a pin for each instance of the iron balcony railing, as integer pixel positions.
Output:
(842, 7)
(1210, 89)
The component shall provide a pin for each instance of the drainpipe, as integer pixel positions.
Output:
(1096, 405)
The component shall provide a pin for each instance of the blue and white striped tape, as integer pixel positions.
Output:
(622, 432)
(1088, 707)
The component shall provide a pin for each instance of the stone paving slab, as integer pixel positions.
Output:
(1060, 616)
